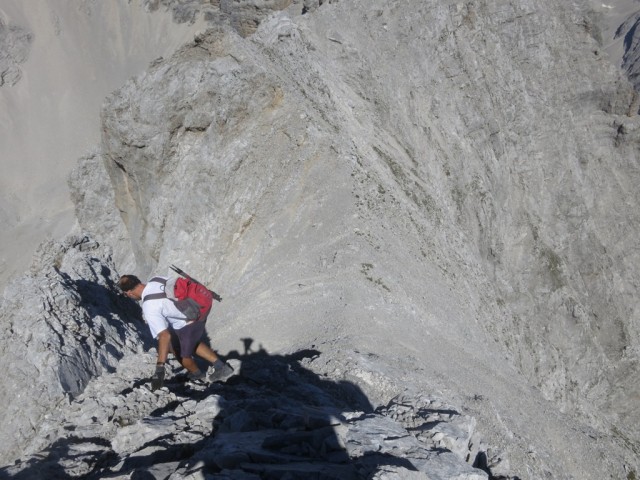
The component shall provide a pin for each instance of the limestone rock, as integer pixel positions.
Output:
(268, 421)
(615, 28)
(64, 325)
(91, 192)
(244, 16)
(446, 191)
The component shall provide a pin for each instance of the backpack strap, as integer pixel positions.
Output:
(154, 296)
(159, 295)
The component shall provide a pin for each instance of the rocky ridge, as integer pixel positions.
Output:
(244, 16)
(416, 165)
(449, 205)
(281, 416)
(274, 419)
(65, 324)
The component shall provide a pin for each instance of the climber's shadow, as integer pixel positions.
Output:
(277, 420)
(281, 420)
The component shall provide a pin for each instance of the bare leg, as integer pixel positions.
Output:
(203, 351)
(189, 364)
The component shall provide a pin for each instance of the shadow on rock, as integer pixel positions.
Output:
(106, 301)
(280, 420)
(274, 419)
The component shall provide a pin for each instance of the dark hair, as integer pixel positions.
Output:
(128, 282)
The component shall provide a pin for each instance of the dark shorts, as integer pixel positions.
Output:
(185, 341)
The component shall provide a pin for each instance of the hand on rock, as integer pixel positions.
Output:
(157, 381)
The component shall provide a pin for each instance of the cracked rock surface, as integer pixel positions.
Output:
(65, 325)
(273, 419)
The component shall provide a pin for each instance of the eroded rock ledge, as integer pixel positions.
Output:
(275, 419)
(65, 327)
(280, 417)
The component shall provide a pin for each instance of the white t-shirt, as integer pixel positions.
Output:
(160, 313)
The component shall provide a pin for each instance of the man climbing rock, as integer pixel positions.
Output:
(177, 331)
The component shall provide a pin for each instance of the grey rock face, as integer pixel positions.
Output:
(275, 419)
(449, 188)
(92, 192)
(78, 52)
(627, 30)
(311, 5)
(615, 27)
(245, 16)
(464, 142)
(64, 325)
(15, 43)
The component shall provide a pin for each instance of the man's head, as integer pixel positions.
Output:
(131, 286)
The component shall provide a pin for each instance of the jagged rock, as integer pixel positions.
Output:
(243, 16)
(231, 106)
(615, 28)
(311, 5)
(246, 15)
(78, 53)
(65, 322)
(194, 431)
(91, 192)
(438, 425)
(227, 148)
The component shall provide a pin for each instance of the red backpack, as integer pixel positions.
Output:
(190, 296)
(187, 292)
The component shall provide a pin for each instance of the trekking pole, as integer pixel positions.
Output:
(216, 297)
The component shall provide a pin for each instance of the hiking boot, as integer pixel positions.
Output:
(197, 376)
(222, 373)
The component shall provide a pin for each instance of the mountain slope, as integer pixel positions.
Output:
(440, 198)
(444, 176)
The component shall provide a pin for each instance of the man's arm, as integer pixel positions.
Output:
(164, 342)
(153, 315)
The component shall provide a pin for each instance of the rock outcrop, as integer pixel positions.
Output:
(274, 419)
(58, 61)
(615, 27)
(243, 16)
(64, 324)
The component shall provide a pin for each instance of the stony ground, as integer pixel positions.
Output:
(274, 419)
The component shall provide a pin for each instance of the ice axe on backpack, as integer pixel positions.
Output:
(216, 297)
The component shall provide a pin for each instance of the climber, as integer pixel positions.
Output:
(174, 332)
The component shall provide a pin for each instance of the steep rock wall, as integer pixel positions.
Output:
(65, 324)
(58, 60)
